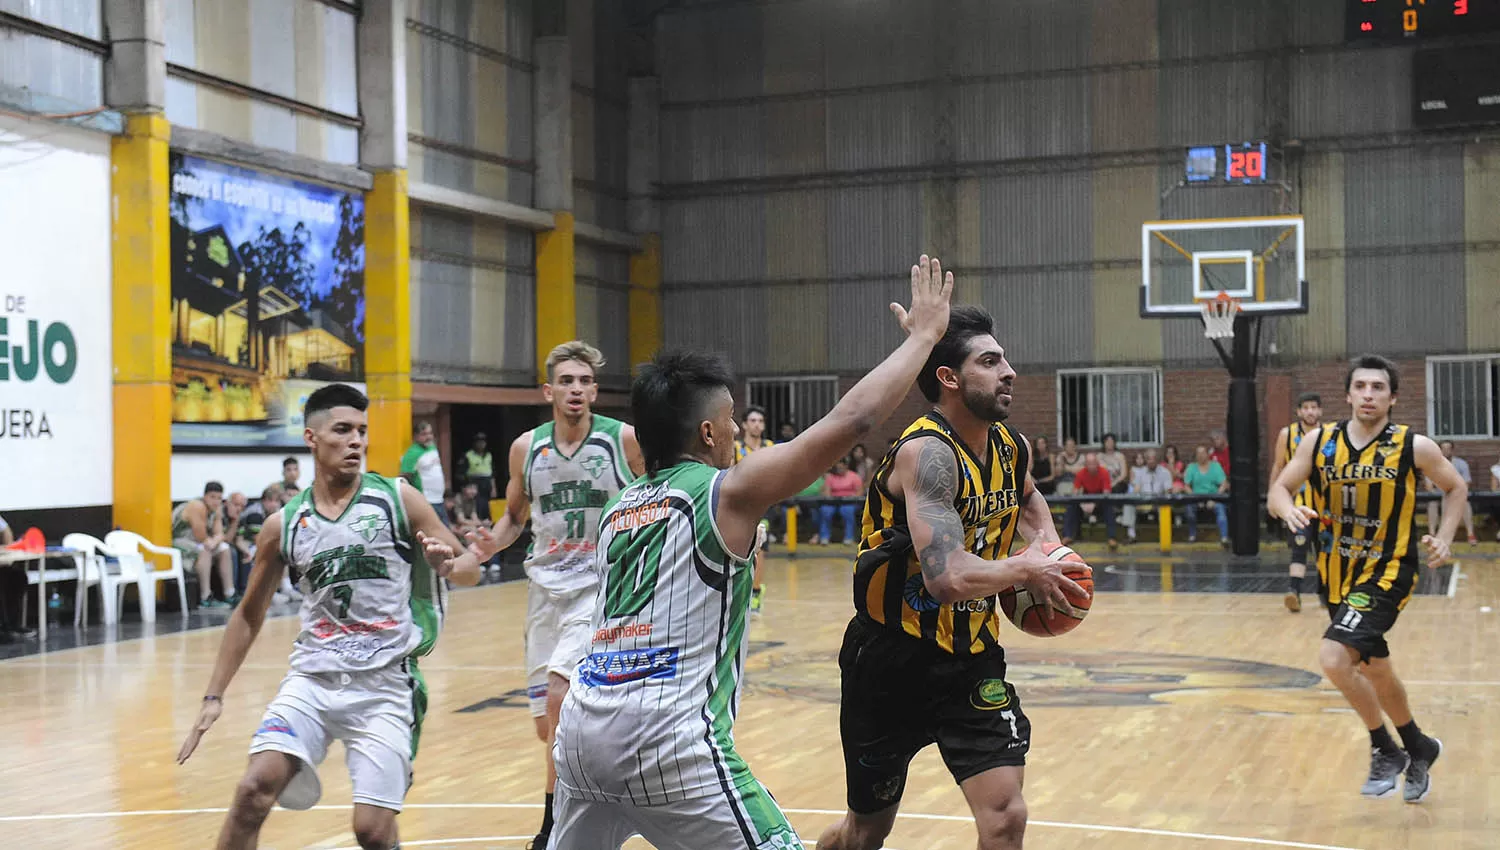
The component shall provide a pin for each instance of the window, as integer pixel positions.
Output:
(1461, 398)
(800, 401)
(1095, 402)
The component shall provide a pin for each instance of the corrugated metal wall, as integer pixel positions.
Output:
(42, 75)
(298, 49)
(810, 151)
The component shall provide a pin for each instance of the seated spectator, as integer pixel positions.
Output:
(1091, 479)
(449, 508)
(863, 466)
(1463, 472)
(1148, 477)
(1206, 477)
(1068, 462)
(13, 586)
(198, 532)
(1495, 505)
(466, 510)
(233, 508)
(1113, 460)
(841, 483)
(1041, 467)
(1174, 465)
(1219, 449)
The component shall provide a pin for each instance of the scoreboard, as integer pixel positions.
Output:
(1244, 163)
(1409, 20)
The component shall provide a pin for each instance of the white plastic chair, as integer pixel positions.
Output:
(89, 553)
(126, 546)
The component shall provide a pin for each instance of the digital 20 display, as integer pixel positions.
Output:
(1236, 163)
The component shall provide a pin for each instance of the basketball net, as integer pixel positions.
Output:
(1218, 316)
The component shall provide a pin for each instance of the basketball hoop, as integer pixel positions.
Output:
(1218, 316)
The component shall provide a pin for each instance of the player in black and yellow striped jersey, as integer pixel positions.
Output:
(1309, 416)
(1363, 474)
(753, 438)
(922, 661)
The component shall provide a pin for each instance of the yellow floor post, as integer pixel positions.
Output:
(791, 531)
(556, 298)
(1164, 530)
(645, 300)
(141, 312)
(388, 319)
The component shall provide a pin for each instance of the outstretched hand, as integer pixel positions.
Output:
(1438, 551)
(931, 296)
(439, 554)
(207, 714)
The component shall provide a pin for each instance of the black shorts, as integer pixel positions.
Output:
(1302, 543)
(901, 694)
(1366, 614)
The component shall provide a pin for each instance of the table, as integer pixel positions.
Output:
(17, 556)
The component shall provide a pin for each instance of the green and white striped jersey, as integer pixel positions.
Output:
(568, 494)
(369, 597)
(650, 715)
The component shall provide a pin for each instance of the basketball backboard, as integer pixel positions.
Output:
(1262, 262)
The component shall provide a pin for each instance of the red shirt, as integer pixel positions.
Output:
(847, 484)
(1091, 482)
(1222, 456)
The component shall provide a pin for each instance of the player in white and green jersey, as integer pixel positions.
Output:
(646, 740)
(371, 606)
(562, 474)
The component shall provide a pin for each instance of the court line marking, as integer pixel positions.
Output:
(1453, 579)
(1086, 827)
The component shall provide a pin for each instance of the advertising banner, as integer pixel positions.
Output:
(268, 302)
(55, 374)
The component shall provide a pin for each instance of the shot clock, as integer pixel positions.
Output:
(1243, 163)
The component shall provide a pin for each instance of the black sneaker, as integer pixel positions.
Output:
(1384, 768)
(1418, 780)
(540, 842)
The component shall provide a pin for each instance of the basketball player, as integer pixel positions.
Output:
(646, 742)
(922, 661)
(561, 475)
(1363, 474)
(1309, 415)
(371, 607)
(753, 438)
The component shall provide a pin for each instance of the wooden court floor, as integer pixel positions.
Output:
(1168, 720)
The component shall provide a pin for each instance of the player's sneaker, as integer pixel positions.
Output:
(1384, 768)
(755, 595)
(1293, 601)
(1418, 780)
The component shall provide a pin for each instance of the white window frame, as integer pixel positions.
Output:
(1157, 422)
(1489, 394)
(792, 414)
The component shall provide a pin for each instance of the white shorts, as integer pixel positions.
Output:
(376, 713)
(559, 633)
(745, 819)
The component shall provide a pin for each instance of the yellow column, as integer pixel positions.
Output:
(556, 300)
(645, 301)
(142, 328)
(388, 319)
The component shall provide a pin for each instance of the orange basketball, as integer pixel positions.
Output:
(1033, 618)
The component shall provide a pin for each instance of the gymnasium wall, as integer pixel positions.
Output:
(810, 150)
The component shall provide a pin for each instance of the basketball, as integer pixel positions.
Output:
(1031, 616)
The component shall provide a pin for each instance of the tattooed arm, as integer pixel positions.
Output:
(926, 478)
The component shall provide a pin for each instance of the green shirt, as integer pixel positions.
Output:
(480, 465)
(1203, 483)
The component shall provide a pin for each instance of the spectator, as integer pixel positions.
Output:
(1069, 461)
(1113, 460)
(466, 510)
(448, 510)
(198, 532)
(1148, 477)
(841, 483)
(291, 473)
(1174, 465)
(13, 586)
(1494, 505)
(1463, 472)
(859, 461)
(233, 509)
(1220, 450)
(479, 466)
(251, 521)
(786, 432)
(1041, 467)
(422, 466)
(1206, 477)
(1091, 479)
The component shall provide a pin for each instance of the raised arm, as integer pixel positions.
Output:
(926, 477)
(487, 541)
(441, 547)
(776, 473)
(244, 625)
(1440, 471)
(1293, 475)
(1278, 457)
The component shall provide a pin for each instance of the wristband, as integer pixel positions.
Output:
(212, 698)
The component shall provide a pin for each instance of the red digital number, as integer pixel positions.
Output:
(1254, 167)
(1460, 7)
(1237, 165)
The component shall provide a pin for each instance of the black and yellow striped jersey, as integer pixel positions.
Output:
(888, 586)
(741, 450)
(1366, 500)
(1294, 434)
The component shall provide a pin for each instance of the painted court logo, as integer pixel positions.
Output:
(990, 695)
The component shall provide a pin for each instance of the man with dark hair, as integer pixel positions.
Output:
(921, 661)
(1363, 474)
(422, 466)
(562, 474)
(372, 606)
(655, 702)
(1309, 417)
(291, 474)
(198, 532)
(753, 438)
